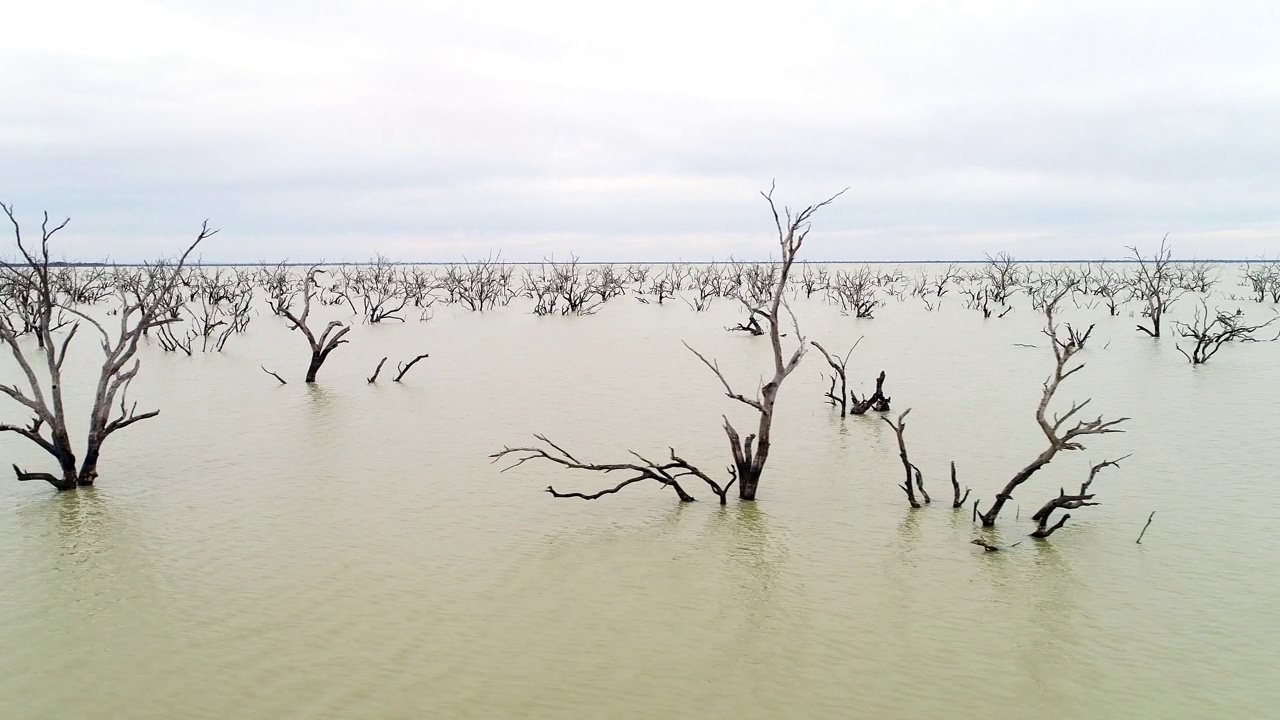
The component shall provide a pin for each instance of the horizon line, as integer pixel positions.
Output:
(580, 261)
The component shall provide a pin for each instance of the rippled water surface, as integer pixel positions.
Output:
(347, 550)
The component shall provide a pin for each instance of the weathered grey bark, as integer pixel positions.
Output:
(144, 305)
(1060, 436)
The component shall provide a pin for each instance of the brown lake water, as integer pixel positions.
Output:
(348, 550)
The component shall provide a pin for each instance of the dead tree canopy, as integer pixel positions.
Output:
(1156, 285)
(145, 302)
(1211, 331)
(328, 340)
(1057, 429)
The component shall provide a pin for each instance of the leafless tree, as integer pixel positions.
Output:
(479, 286)
(1057, 430)
(561, 289)
(876, 401)
(1198, 276)
(82, 285)
(814, 278)
(1155, 284)
(1002, 275)
(707, 283)
(328, 340)
(749, 454)
(838, 373)
(1263, 278)
(1063, 501)
(607, 282)
(665, 285)
(914, 477)
(142, 307)
(855, 291)
(1110, 285)
(958, 499)
(380, 287)
(1211, 331)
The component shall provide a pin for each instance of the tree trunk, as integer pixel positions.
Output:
(989, 517)
(89, 469)
(317, 359)
(748, 480)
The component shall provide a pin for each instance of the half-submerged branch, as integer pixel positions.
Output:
(667, 473)
(1084, 498)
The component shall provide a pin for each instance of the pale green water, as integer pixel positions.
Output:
(348, 551)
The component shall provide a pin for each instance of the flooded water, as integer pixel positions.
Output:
(348, 550)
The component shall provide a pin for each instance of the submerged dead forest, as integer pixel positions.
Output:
(54, 315)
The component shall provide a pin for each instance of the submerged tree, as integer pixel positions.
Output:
(1211, 331)
(1057, 431)
(749, 454)
(328, 340)
(143, 305)
(1156, 284)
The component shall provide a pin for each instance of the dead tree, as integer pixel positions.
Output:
(143, 306)
(877, 401)
(1211, 332)
(1155, 284)
(855, 291)
(1084, 498)
(1110, 285)
(1262, 278)
(478, 286)
(958, 501)
(1060, 435)
(898, 429)
(838, 373)
(402, 368)
(749, 454)
(328, 340)
(1002, 275)
(374, 377)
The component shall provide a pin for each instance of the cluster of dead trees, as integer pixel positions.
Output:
(185, 309)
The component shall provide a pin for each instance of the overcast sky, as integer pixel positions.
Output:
(635, 131)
